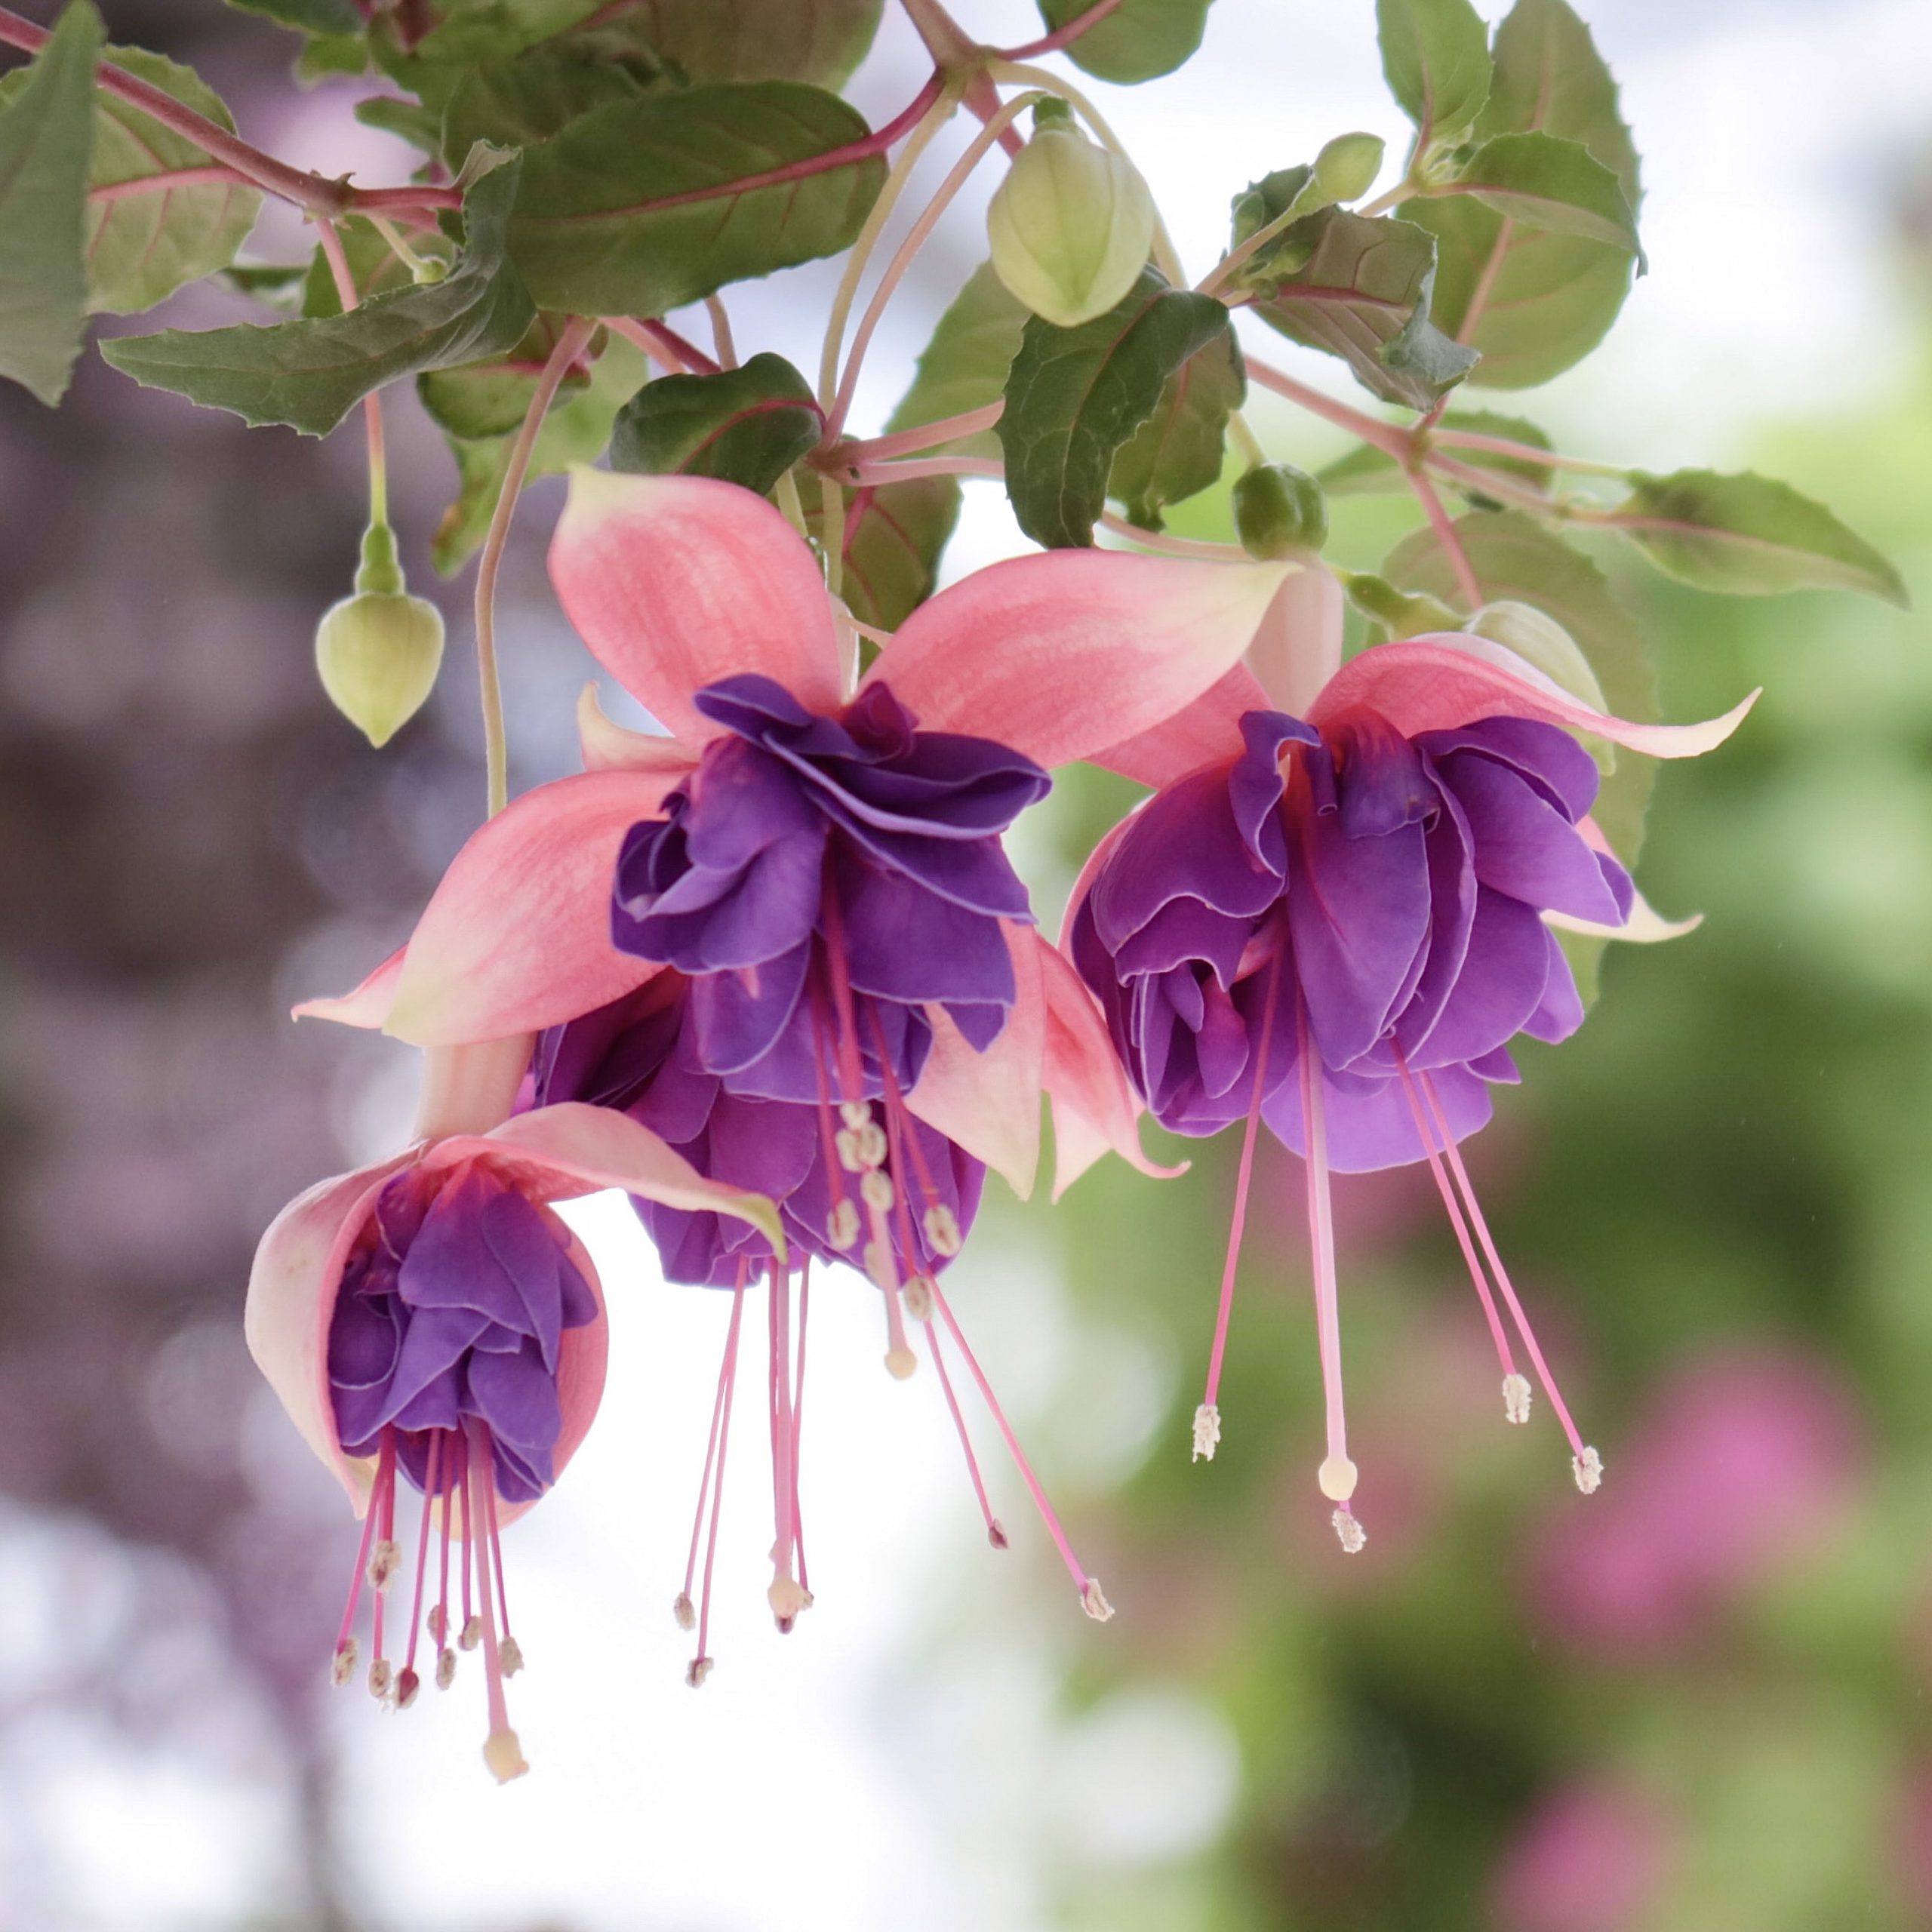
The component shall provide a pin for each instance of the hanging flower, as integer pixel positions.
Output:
(1334, 919)
(430, 1318)
(825, 972)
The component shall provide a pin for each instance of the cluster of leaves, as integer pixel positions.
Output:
(617, 162)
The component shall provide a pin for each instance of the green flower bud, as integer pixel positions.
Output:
(1347, 167)
(1279, 512)
(1070, 226)
(378, 654)
(1398, 613)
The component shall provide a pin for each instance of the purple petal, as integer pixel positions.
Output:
(1523, 845)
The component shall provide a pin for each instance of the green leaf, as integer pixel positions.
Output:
(408, 120)
(517, 104)
(1368, 472)
(1365, 293)
(309, 374)
(645, 205)
(1140, 40)
(143, 245)
(966, 364)
(278, 284)
(373, 266)
(47, 138)
(479, 400)
(1534, 301)
(1518, 560)
(309, 16)
(1749, 536)
(1075, 396)
(574, 432)
(1551, 183)
(329, 55)
(1178, 451)
(1435, 57)
(747, 425)
(749, 40)
(895, 534)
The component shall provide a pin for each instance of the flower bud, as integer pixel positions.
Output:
(1070, 225)
(1279, 512)
(378, 654)
(1540, 640)
(1347, 167)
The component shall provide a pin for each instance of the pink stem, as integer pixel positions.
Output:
(1242, 1178)
(655, 339)
(361, 1569)
(430, 1477)
(1502, 1281)
(350, 297)
(863, 474)
(1439, 521)
(1390, 437)
(385, 1501)
(493, 1668)
(923, 436)
(1064, 36)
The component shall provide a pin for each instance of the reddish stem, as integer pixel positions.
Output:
(654, 338)
(1064, 36)
(1390, 437)
(1439, 521)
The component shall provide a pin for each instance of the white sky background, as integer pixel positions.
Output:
(897, 1763)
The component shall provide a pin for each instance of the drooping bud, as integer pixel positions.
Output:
(1071, 225)
(1347, 165)
(1280, 511)
(378, 652)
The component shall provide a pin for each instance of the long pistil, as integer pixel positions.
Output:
(700, 1664)
(501, 1751)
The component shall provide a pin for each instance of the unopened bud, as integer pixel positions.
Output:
(1347, 165)
(1070, 225)
(378, 653)
(504, 1756)
(1280, 511)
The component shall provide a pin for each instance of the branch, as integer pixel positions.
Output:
(1390, 437)
(1439, 521)
(1064, 36)
(923, 436)
(656, 338)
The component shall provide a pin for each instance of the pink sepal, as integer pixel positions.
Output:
(1062, 654)
(518, 935)
(1432, 684)
(675, 582)
(1206, 732)
(368, 1005)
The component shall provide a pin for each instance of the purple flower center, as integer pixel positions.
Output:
(639, 1055)
(454, 1308)
(1380, 894)
(822, 880)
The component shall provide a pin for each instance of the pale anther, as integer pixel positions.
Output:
(510, 1656)
(1588, 1469)
(786, 1600)
(382, 1679)
(841, 1225)
(1351, 1533)
(683, 1609)
(856, 1113)
(875, 1186)
(344, 1666)
(847, 1141)
(445, 1668)
(699, 1670)
(941, 1227)
(472, 1634)
(1516, 1398)
(385, 1560)
(1094, 1603)
(871, 1145)
(919, 1299)
(1206, 1432)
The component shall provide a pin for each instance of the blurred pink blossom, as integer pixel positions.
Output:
(1738, 1469)
(1592, 1857)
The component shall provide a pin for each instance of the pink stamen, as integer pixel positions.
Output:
(798, 1419)
(468, 1539)
(702, 1661)
(1337, 1475)
(1244, 1176)
(384, 1500)
(1087, 1585)
(710, 1455)
(784, 1480)
(1497, 1332)
(430, 1477)
(501, 1752)
(834, 1172)
(360, 1574)
(1502, 1281)
(496, 1547)
(850, 1073)
(445, 1486)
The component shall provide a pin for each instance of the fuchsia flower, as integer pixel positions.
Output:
(786, 937)
(1334, 915)
(428, 1317)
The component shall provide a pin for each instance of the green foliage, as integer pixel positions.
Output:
(309, 374)
(143, 246)
(47, 138)
(747, 425)
(644, 205)
(478, 400)
(1178, 451)
(309, 16)
(1364, 294)
(966, 364)
(1435, 57)
(1546, 183)
(517, 104)
(749, 40)
(895, 534)
(1533, 299)
(1749, 536)
(575, 431)
(1075, 396)
(1140, 40)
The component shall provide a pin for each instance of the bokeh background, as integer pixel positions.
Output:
(1696, 1703)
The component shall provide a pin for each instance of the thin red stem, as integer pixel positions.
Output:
(1390, 437)
(1066, 36)
(656, 338)
(1440, 522)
